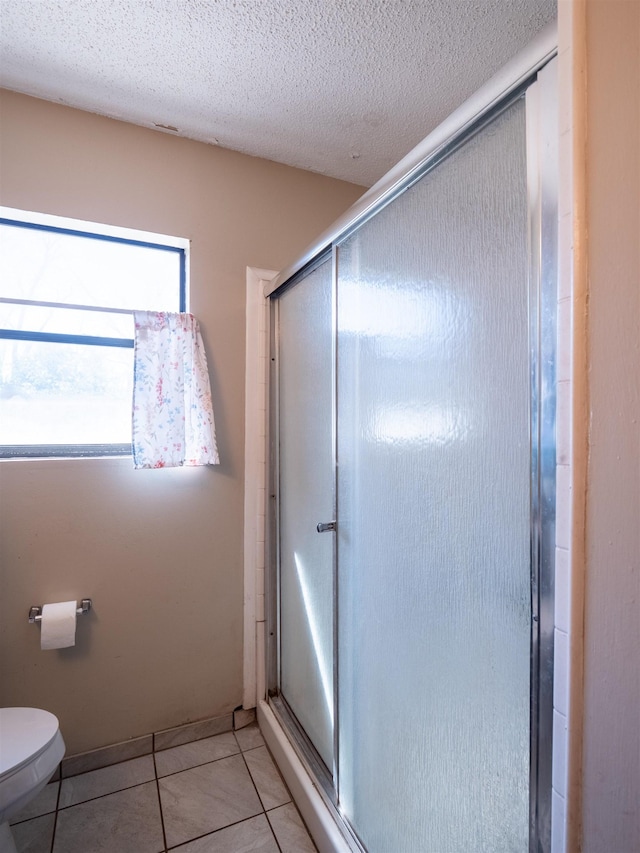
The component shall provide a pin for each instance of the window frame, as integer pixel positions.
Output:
(104, 233)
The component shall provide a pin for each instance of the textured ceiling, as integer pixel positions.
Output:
(341, 87)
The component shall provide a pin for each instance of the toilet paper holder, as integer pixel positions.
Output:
(35, 612)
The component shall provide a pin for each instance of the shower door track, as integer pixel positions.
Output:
(315, 767)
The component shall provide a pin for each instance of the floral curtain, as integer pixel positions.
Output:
(172, 414)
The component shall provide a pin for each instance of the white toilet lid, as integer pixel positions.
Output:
(24, 733)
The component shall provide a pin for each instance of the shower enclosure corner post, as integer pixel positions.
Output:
(272, 555)
(542, 179)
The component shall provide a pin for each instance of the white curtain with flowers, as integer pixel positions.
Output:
(172, 414)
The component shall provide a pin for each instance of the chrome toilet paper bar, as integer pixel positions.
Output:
(35, 612)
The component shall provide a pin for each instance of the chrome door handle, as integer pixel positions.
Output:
(323, 527)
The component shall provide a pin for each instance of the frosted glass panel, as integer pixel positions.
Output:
(307, 486)
(433, 497)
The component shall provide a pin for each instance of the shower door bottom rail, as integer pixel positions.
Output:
(314, 767)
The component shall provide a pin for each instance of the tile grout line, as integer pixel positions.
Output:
(264, 811)
(273, 832)
(100, 796)
(55, 813)
(155, 772)
(304, 823)
(251, 777)
(176, 847)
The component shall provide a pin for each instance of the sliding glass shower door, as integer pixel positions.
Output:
(433, 489)
(414, 463)
(307, 497)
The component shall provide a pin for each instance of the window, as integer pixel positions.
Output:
(67, 296)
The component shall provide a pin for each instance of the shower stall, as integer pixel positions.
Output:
(412, 486)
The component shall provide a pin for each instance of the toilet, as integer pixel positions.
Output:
(31, 748)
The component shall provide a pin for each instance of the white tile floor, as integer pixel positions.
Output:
(222, 794)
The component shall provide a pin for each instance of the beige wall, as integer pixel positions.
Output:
(160, 552)
(611, 747)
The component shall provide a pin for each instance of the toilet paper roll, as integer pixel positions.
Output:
(58, 625)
